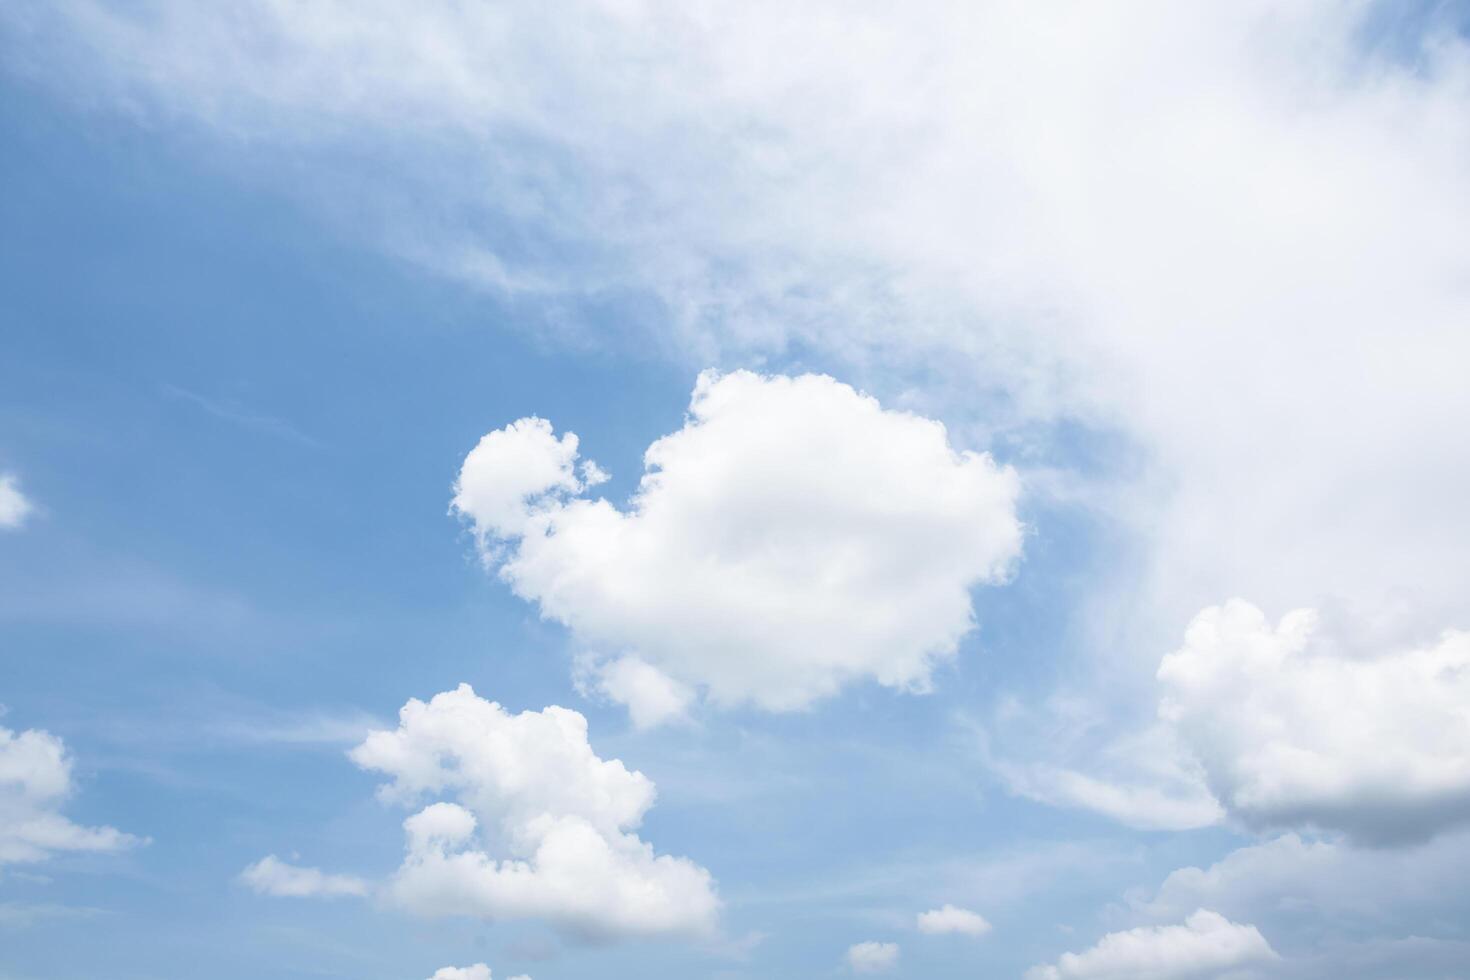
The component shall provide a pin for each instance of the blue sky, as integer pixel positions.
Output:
(267, 280)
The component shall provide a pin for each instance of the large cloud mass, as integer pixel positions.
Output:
(792, 537)
(1293, 732)
(35, 780)
(1207, 946)
(1236, 232)
(536, 825)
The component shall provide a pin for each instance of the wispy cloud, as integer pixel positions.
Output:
(23, 915)
(243, 417)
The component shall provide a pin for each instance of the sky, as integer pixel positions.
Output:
(736, 491)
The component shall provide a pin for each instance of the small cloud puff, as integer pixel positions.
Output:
(478, 971)
(872, 957)
(272, 876)
(950, 919)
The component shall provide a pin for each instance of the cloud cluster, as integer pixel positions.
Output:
(1236, 234)
(272, 876)
(792, 537)
(1292, 733)
(35, 780)
(536, 825)
(14, 506)
(1206, 947)
(951, 919)
(872, 957)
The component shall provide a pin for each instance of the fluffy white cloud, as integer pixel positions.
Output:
(1292, 731)
(512, 469)
(272, 876)
(792, 537)
(539, 826)
(478, 971)
(1205, 947)
(951, 919)
(872, 957)
(14, 507)
(35, 780)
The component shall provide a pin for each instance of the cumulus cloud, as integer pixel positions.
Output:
(35, 780)
(538, 826)
(1284, 726)
(14, 506)
(792, 537)
(478, 971)
(872, 957)
(1206, 947)
(951, 919)
(1291, 731)
(272, 876)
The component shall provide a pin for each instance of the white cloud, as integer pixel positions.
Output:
(14, 507)
(950, 919)
(1293, 731)
(35, 780)
(791, 538)
(652, 697)
(1276, 727)
(538, 827)
(872, 957)
(478, 971)
(510, 471)
(272, 876)
(1205, 947)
